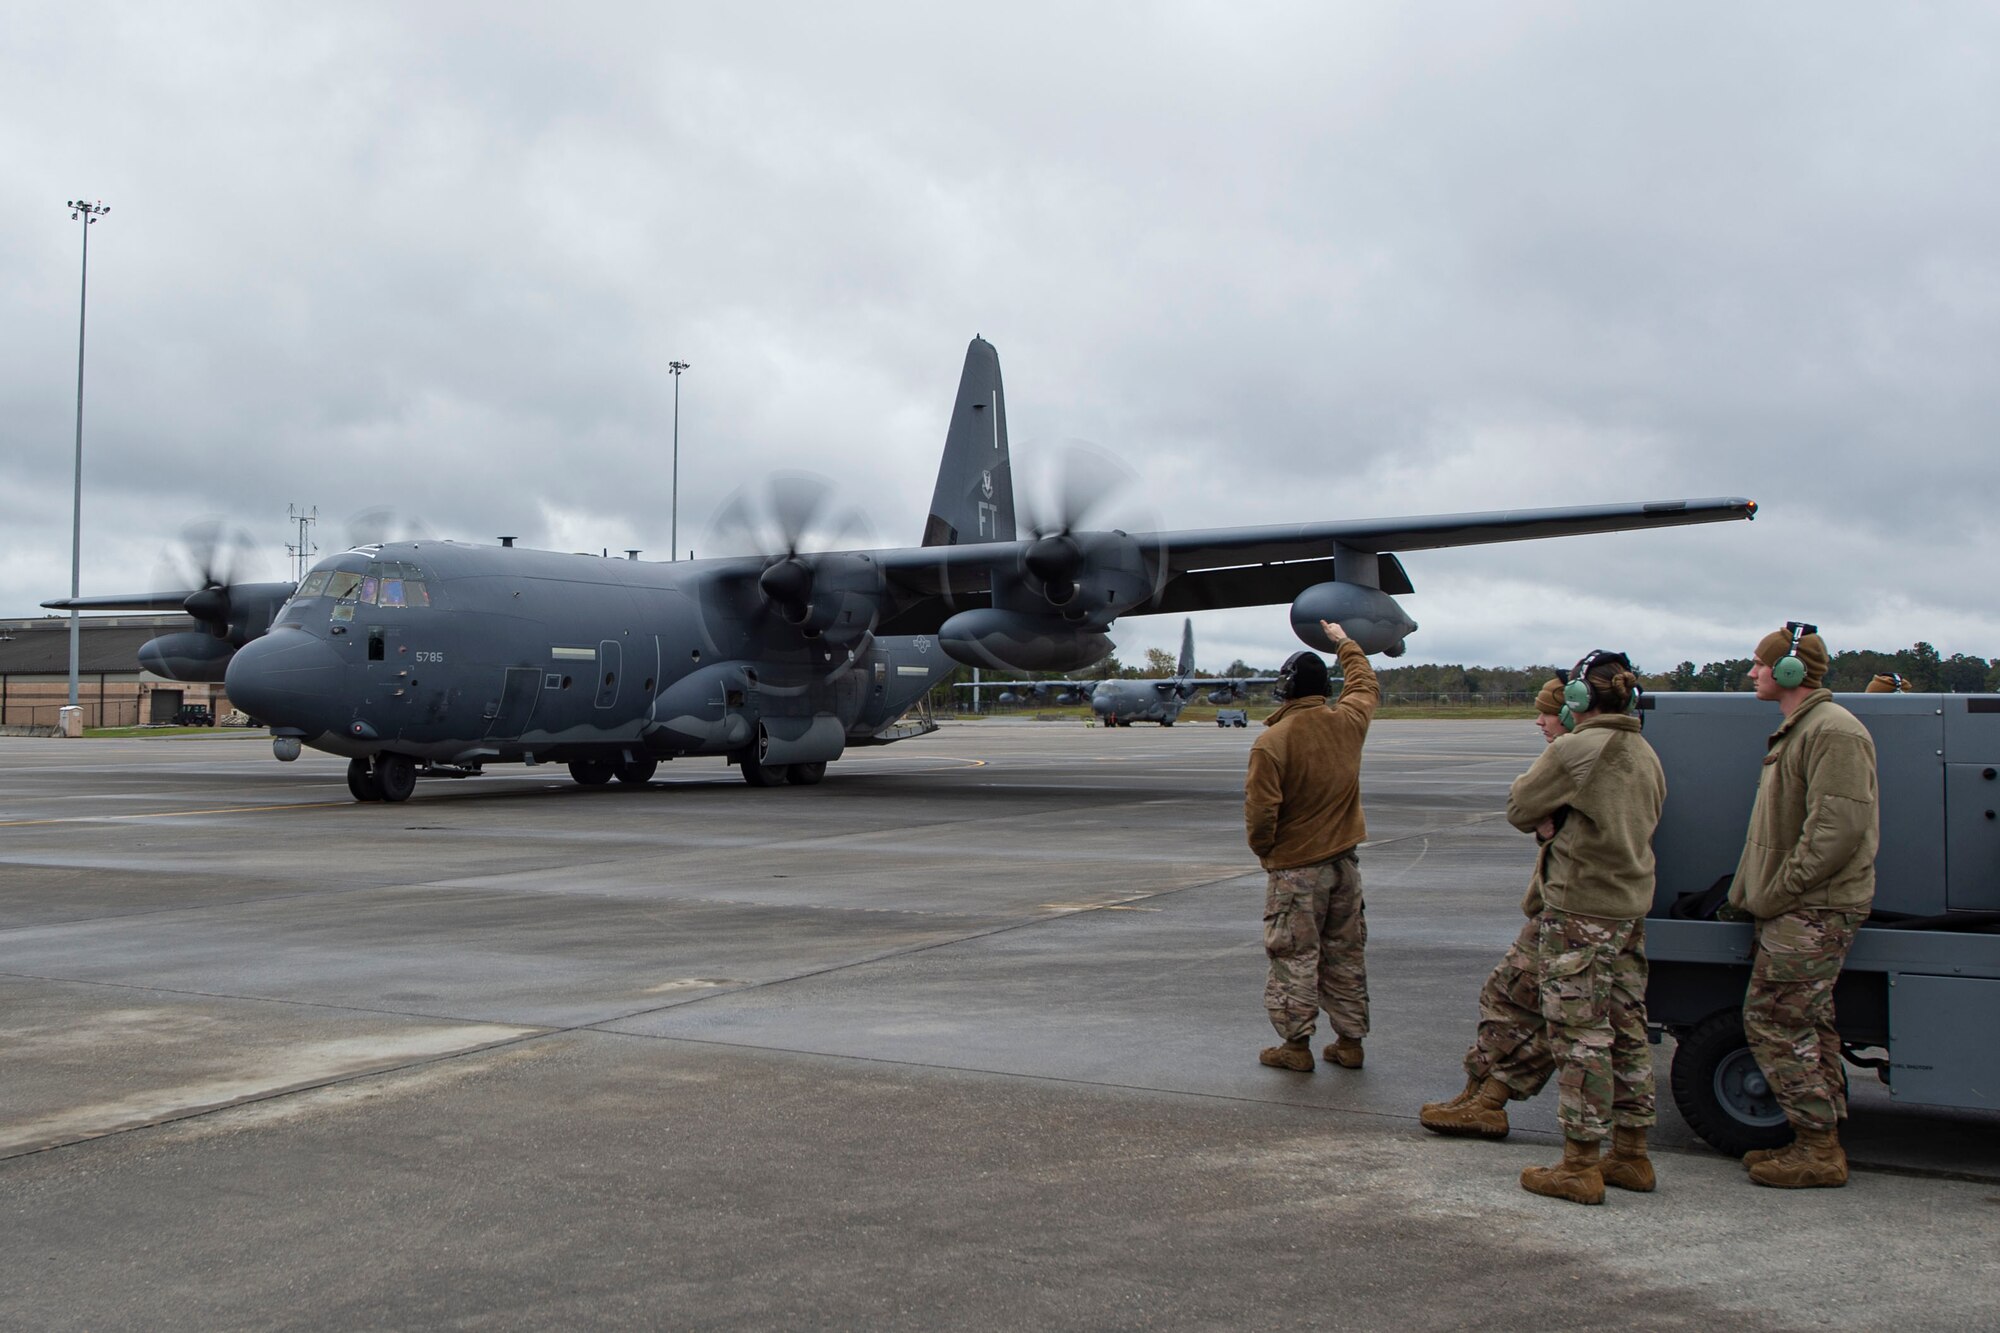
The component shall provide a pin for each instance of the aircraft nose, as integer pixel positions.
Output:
(285, 678)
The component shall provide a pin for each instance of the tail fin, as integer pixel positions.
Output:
(974, 500)
(1186, 668)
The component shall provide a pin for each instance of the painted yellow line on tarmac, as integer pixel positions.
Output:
(176, 814)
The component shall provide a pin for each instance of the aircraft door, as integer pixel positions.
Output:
(516, 703)
(608, 664)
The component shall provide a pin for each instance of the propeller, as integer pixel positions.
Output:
(1086, 477)
(1063, 548)
(823, 592)
(209, 557)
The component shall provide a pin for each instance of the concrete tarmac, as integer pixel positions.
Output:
(965, 1036)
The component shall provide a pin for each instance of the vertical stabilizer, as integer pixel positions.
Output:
(974, 500)
(1186, 668)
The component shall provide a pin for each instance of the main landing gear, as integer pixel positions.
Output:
(776, 775)
(596, 772)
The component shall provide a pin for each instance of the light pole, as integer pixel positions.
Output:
(90, 213)
(674, 550)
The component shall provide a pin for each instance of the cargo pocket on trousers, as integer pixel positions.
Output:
(1570, 994)
(1288, 928)
(1792, 950)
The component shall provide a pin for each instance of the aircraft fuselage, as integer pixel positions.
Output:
(1137, 701)
(464, 655)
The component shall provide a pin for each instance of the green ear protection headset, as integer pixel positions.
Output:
(1577, 693)
(1567, 718)
(1789, 672)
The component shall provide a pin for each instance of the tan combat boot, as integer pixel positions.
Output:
(1814, 1161)
(1628, 1167)
(1756, 1155)
(1293, 1055)
(1576, 1178)
(1460, 1098)
(1345, 1052)
(1484, 1116)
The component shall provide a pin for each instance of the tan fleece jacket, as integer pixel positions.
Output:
(1814, 828)
(1302, 798)
(1604, 787)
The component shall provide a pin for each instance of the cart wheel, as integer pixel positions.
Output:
(1722, 1093)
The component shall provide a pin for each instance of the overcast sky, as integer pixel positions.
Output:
(1290, 262)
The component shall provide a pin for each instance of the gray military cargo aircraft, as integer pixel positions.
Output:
(445, 657)
(1120, 703)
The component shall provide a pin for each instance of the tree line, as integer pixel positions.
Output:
(1921, 665)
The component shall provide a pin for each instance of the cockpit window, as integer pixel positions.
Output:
(402, 592)
(385, 583)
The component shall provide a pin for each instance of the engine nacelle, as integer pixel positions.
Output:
(1014, 641)
(835, 597)
(190, 655)
(1370, 616)
(1093, 577)
(238, 612)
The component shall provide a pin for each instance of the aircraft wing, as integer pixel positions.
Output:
(134, 601)
(1212, 568)
(1026, 684)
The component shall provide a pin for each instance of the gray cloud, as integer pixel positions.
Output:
(1293, 262)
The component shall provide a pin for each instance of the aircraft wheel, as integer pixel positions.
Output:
(636, 772)
(1721, 1092)
(1165, 723)
(395, 776)
(362, 782)
(763, 775)
(806, 775)
(592, 772)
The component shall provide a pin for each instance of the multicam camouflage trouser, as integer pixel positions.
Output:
(1594, 1001)
(1788, 1011)
(1513, 1041)
(1316, 934)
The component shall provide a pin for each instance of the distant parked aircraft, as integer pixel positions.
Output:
(1120, 703)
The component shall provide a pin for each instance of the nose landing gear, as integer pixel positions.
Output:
(389, 777)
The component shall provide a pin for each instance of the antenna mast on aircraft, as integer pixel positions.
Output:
(302, 553)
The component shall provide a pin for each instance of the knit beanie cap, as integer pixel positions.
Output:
(1885, 683)
(1309, 676)
(1550, 701)
(1773, 647)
